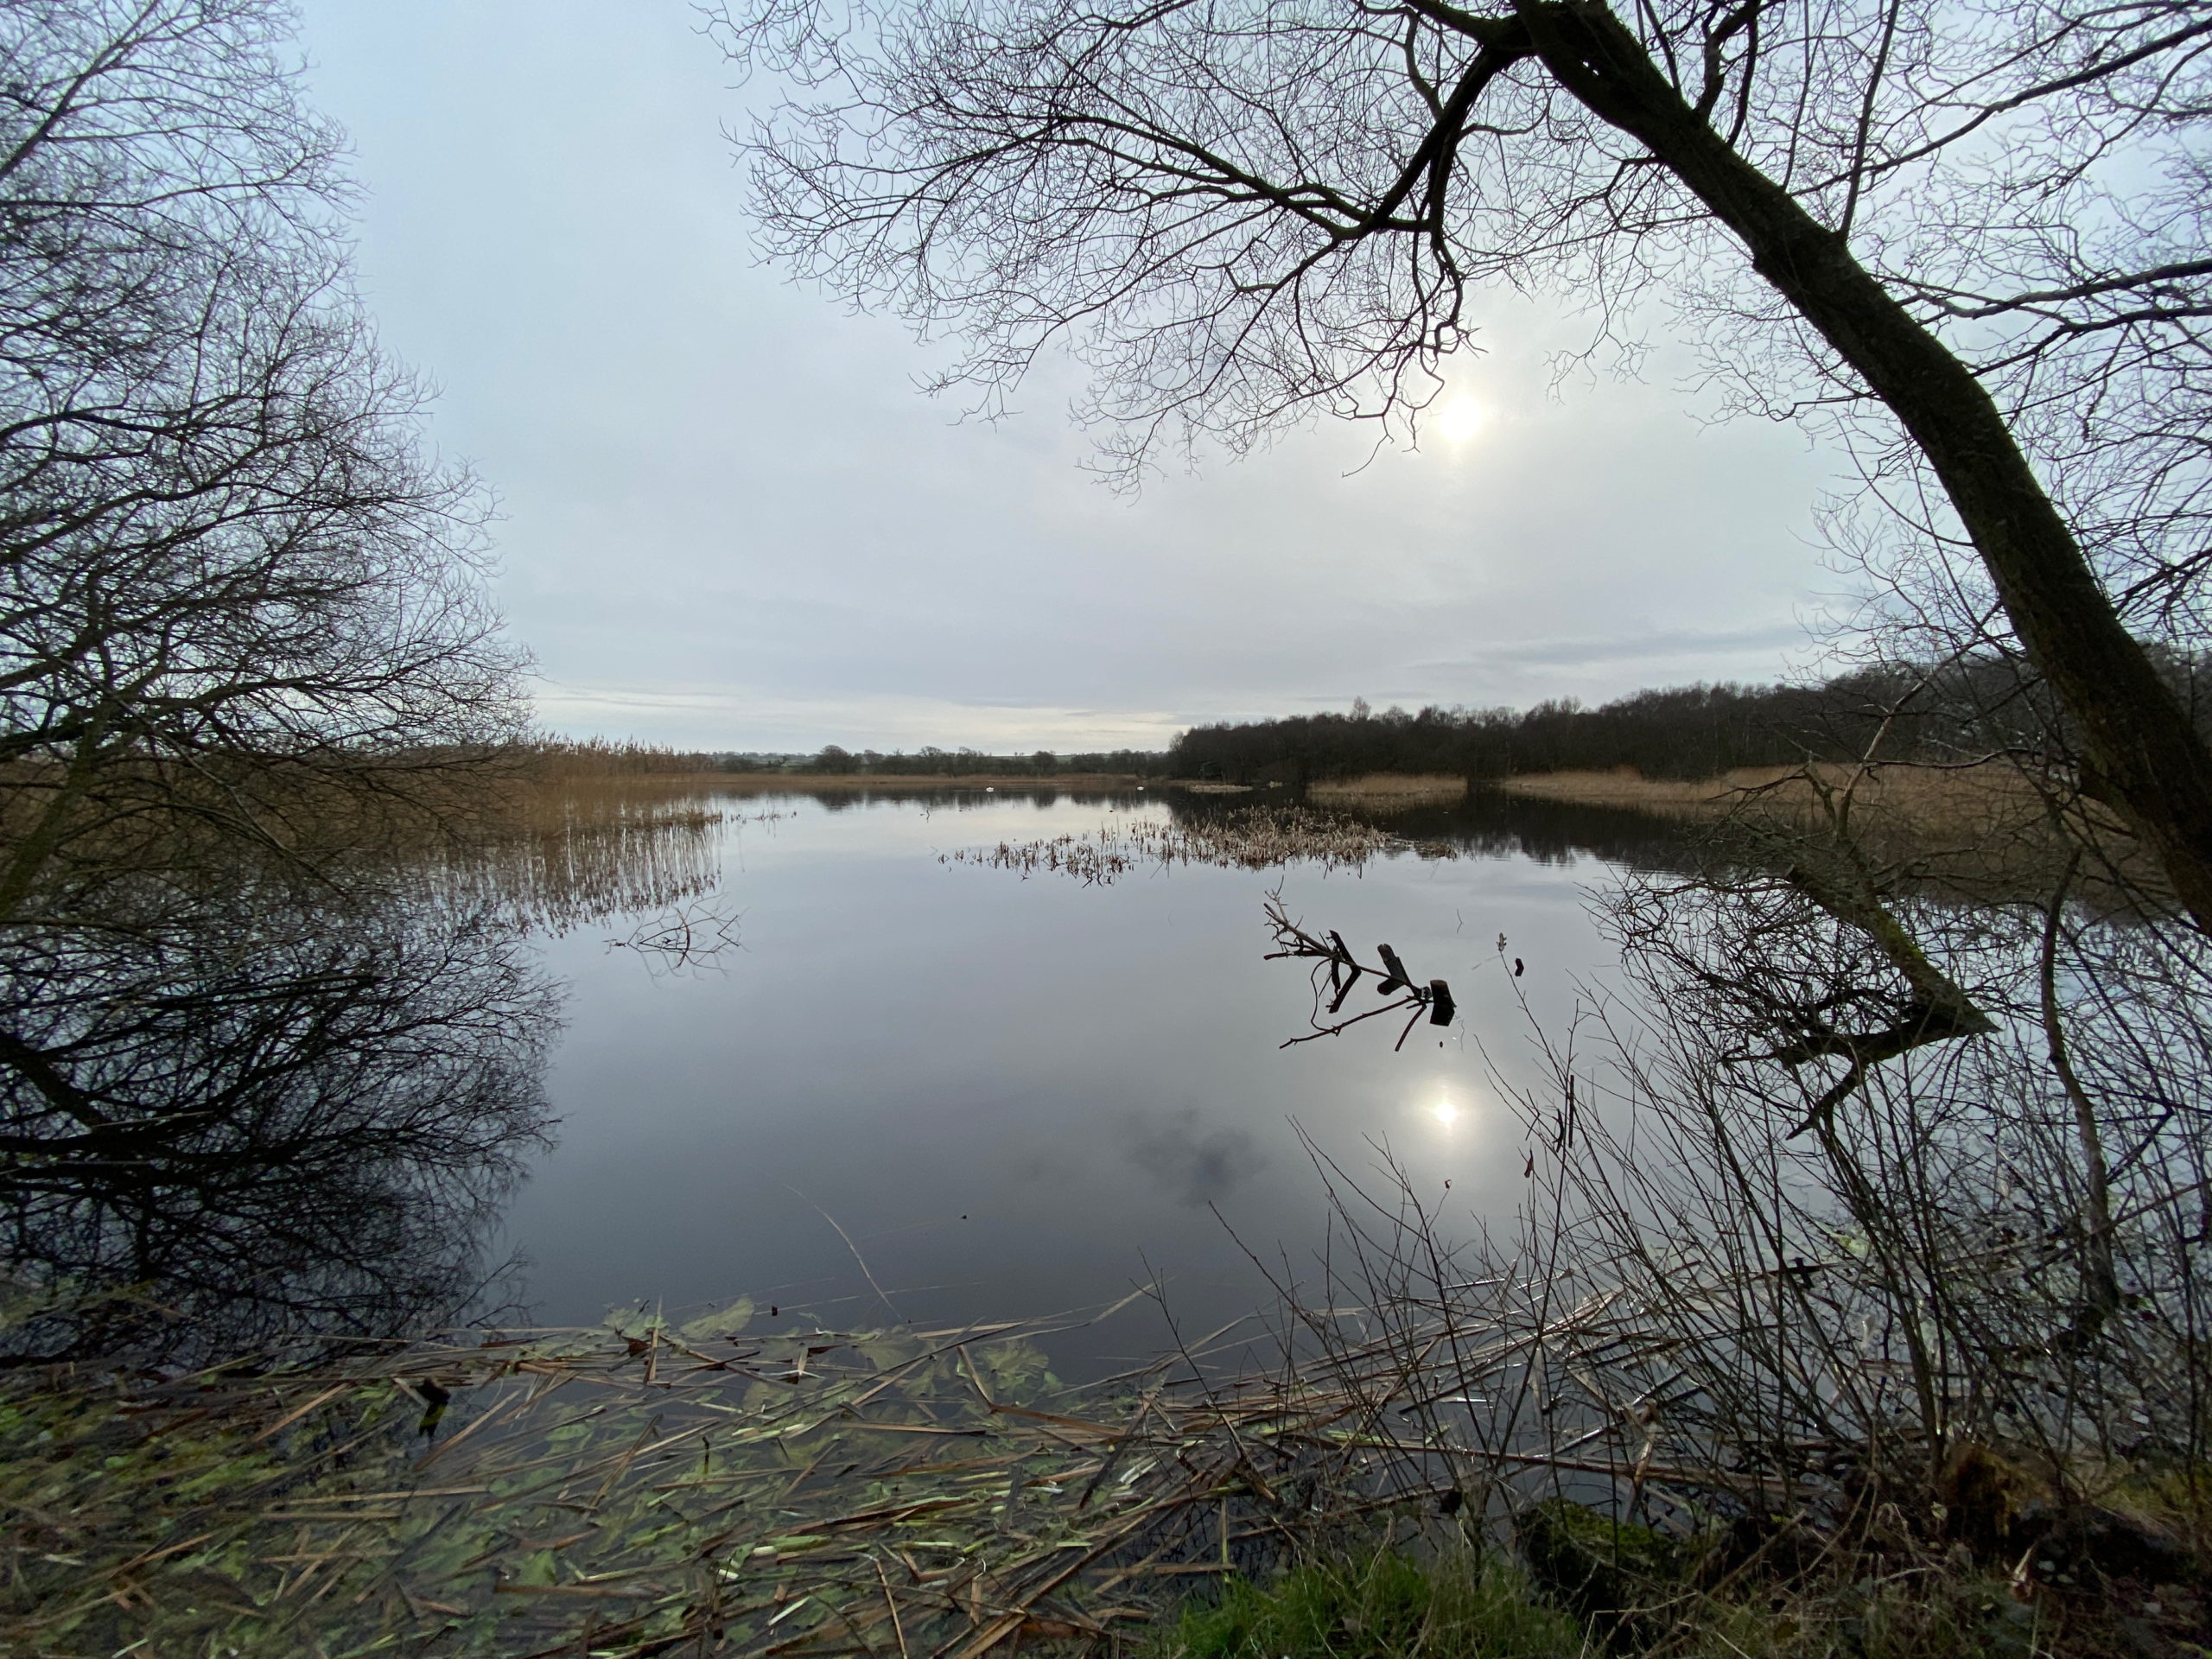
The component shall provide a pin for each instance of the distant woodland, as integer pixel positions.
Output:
(557, 758)
(1692, 731)
(1901, 712)
(1904, 712)
(931, 762)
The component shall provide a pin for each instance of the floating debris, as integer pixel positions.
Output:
(657, 1485)
(1248, 838)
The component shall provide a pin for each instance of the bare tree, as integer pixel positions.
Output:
(229, 569)
(1971, 239)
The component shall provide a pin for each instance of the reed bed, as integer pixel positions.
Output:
(557, 856)
(652, 1487)
(708, 1486)
(1248, 838)
(1930, 804)
(560, 761)
(1385, 790)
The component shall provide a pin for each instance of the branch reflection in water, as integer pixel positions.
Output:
(262, 1112)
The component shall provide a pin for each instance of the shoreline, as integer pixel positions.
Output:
(1638, 793)
(755, 783)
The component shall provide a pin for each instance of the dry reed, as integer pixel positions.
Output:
(1250, 838)
(1385, 790)
(654, 1485)
(562, 855)
(1929, 800)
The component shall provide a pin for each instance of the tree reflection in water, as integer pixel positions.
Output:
(245, 1110)
(281, 1122)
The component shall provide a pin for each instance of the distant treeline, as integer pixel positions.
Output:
(1693, 731)
(600, 757)
(1688, 732)
(931, 762)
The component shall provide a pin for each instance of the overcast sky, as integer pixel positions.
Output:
(731, 522)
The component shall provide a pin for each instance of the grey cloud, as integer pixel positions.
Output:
(1625, 648)
(729, 517)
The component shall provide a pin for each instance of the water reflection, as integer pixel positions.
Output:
(1201, 1165)
(1490, 823)
(270, 1121)
(1486, 823)
(1020, 1097)
(574, 854)
(252, 1114)
(281, 1115)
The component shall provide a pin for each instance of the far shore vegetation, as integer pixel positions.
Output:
(1725, 735)
(1915, 749)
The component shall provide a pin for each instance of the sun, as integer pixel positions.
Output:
(1460, 418)
(1445, 1112)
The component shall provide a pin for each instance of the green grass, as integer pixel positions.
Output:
(1383, 1604)
(1378, 1606)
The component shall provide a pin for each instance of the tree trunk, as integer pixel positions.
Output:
(2142, 751)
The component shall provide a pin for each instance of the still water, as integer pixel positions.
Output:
(1003, 1097)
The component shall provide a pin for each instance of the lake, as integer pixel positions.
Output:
(1005, 1097)
(887, 1079)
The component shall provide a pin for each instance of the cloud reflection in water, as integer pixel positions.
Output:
(1200, 1166)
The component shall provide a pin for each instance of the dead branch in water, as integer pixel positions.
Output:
(1336, 971)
